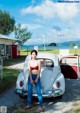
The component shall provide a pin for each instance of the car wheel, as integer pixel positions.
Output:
(60, 97)
(21, 96)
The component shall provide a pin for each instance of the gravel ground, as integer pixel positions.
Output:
(52, 105)
(69, 99)
(9, 98)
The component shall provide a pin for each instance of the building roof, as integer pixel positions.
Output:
(6, 37)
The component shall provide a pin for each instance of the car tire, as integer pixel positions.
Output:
(60, 97)
(21, 96)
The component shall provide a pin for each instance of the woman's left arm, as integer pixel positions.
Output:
(39, 64)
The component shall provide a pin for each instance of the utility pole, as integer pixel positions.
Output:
(44, 41)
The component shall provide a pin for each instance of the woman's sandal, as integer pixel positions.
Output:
(28, 107)
(41, 110)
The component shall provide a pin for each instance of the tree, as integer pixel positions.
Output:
(73, 44)
(52, 44)
(21, 34)
(6, 23)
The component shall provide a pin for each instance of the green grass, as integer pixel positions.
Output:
(12, 61)
(24, 52)
(9, 79)
(73, 51)
(9, 75)
(54, 51)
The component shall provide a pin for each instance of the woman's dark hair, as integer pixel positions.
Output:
(34, 51)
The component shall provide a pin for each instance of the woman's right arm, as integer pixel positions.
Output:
(30, 72)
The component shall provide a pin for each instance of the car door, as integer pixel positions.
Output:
(70, 67)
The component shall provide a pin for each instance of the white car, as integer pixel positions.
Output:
(52, 76)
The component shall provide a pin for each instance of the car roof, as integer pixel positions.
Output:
(46, 55)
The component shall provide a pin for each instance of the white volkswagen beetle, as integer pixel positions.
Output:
(52, 80)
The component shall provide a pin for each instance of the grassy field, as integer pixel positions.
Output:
(9, 75)
(24, 52)
(56, 51)
(9, 79)
(13, 61)
(73, 52)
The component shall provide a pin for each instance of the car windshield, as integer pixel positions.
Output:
(46, 62)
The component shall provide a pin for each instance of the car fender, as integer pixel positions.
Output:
(19, 78)
(61, 79)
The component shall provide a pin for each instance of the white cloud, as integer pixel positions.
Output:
(50, 10)
(55, 36)
(31, 26)
(66, 11)
(64, 35)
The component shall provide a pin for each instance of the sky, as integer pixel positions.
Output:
(48, 20)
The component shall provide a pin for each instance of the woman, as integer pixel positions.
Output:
(34, 67)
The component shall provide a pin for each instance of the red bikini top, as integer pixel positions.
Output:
(32, 68)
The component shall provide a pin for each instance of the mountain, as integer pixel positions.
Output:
(69, 43)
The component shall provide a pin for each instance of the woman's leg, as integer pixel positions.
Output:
(38, 89)
(29, 97)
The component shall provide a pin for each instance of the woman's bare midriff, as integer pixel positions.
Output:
(34, 71)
